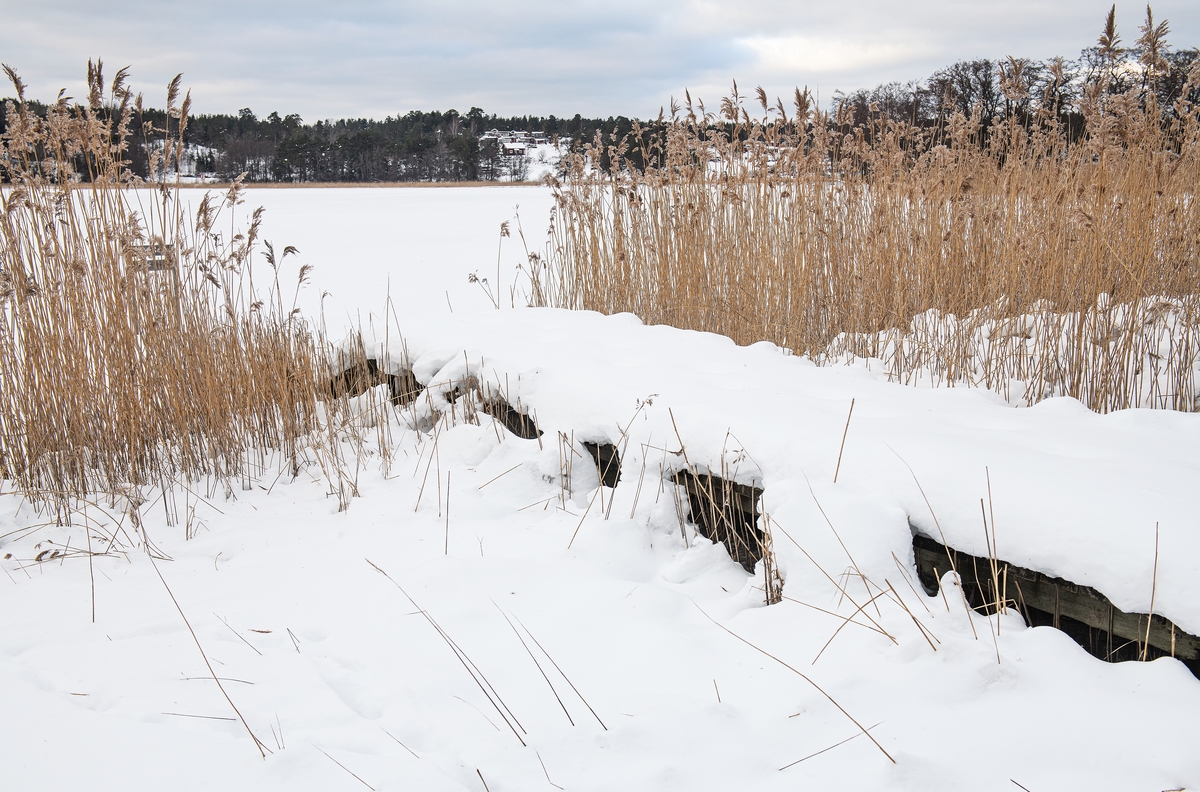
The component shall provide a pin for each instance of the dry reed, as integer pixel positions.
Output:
(1013, 256)
(135, 348)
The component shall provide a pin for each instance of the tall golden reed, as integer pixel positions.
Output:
(1010, 257)
(132, 349)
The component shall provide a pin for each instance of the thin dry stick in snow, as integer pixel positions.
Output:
(848, 620)
(830, 748)
(402, 745)
(547, 772)
(536, 663)
(263, 750)
(803, 676)
(838, 586)
(842, 447)
(560, 671)
(953, 567)
(1153, 591)
(476, 677)
(348, 770)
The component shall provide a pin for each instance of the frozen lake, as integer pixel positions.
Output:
(418, 244)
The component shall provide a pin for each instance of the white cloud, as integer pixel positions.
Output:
(799, 54)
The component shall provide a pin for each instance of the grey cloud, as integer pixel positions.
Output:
(379, 58)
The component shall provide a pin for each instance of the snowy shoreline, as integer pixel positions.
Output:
(336, 672)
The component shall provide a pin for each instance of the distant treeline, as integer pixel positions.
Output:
(447, 146)
(417, 146)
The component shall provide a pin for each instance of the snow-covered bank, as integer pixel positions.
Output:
(1075, 494)
(314, 643)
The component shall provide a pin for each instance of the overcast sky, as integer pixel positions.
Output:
(619, 57)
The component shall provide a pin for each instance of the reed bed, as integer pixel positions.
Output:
(135, 348)
(1017, 256)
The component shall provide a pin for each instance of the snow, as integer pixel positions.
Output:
(330, 663)
(417, 245)
(544, 158)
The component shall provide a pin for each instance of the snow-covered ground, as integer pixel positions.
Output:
(622, 650)
(544, 158)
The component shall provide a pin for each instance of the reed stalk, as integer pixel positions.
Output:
(136, 349)
(1019, 256)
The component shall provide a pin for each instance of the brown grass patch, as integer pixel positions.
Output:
(136, 348)
(1012, 256)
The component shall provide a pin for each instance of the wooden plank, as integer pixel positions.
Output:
(1035, 590)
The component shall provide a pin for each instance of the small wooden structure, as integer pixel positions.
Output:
(727, 512)
(1082, 612)
(608, 462)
